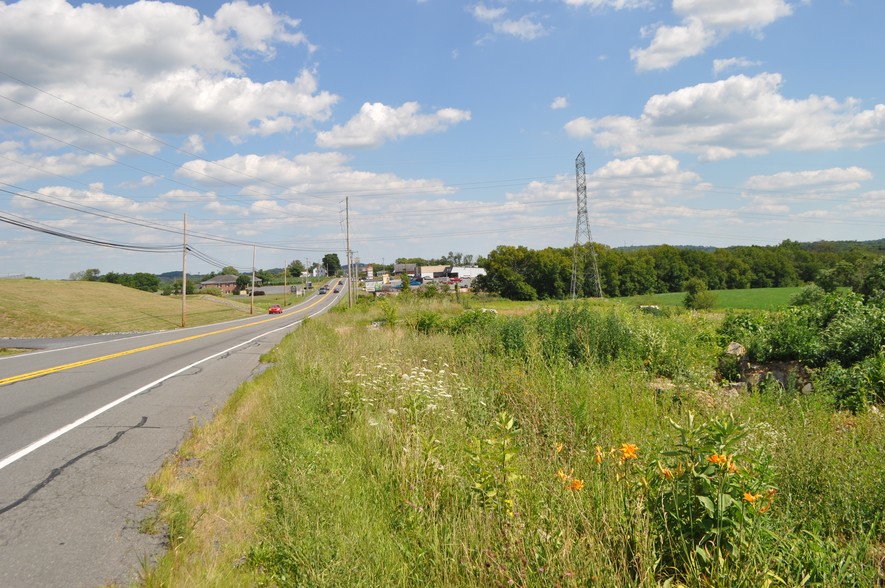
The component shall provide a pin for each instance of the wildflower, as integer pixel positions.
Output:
(558, 447)
(731, 466)
(628, 451)
(764, 508)
(717, 459)
(562, 475)
(576, 485)
(666, 472)
(751, 498)
(598, 454)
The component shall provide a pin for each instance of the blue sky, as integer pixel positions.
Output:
(447, 125)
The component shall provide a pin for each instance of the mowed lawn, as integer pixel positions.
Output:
(50, 308)
(755, 298)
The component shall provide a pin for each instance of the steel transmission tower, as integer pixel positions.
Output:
(582, 234)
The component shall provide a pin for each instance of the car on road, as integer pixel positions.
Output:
(322, 290)
(337, 289)
(275, 309)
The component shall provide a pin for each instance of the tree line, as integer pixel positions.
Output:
(520, 273)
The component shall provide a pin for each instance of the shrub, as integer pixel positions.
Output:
(854, 388)
(697, 296)
(429, 322)
(211, 291)
(705, 497)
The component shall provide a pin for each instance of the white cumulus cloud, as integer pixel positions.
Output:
(839, 179)
(740, 115)
(156, 66)
(721, 65)
(526, 27)
(704, 24)
(378, 123)
(614, 4)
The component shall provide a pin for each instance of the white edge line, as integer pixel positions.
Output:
(124, 336)
(67, 428)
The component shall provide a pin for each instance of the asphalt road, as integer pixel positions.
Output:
(83, 427)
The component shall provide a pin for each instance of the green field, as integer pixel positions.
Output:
(756, 298)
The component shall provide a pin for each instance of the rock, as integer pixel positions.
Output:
(735, 348)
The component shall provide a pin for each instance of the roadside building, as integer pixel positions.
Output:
(432, 272)
(226, 283)
(410, 269)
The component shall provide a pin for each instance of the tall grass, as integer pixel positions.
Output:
(453, 447)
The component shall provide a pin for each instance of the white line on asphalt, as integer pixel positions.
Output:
(70, 427)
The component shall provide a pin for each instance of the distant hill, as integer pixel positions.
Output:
(705, 248)
(876, 246)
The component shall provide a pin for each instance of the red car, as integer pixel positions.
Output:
(275, 309)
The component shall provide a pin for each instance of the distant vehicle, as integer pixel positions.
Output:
(275, 309)
(322, 290)
(310, 285)
(337, 289)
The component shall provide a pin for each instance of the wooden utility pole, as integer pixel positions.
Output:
(349, 261)
(184, 275)
(285, 287)
(252, 294)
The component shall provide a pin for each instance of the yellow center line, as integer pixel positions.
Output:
(76, 364)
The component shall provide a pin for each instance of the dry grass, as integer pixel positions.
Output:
(47, 308)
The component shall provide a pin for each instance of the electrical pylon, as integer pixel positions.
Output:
(582, 230)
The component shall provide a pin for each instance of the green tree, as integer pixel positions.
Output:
(697, 297)
(88, 275)
(267, 277)
(230, 270)
(145, 281)
(874, 282)
(296, 268)
(506, 269)
(332, 263)
(670, 268)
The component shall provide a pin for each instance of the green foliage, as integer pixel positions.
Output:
(429, 322)
(296, 268)
(89, 275)
(705, 497)
(388, 311)
(855, 387)
(808, 295)
(873, 286)
(832, 327)
(211, 291)
(492, 471)
(697, 296)
(332, 264)
(519, 273)
(430, 290)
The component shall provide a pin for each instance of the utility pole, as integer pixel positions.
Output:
(252, 293)
(184, 274)
(349, 259)
(582, 229)
(285, 286)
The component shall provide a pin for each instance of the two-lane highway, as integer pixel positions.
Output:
(83, 427)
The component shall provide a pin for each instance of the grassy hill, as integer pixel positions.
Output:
(46, 308)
